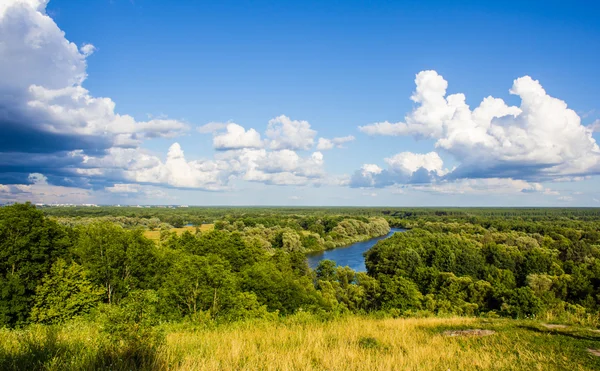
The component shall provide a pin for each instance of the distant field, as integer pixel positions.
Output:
(155, 235)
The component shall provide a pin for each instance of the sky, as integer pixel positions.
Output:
(356, 103)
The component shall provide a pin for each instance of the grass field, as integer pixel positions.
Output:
(155, 235)
(304, 343)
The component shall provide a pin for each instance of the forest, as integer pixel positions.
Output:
(97, 269)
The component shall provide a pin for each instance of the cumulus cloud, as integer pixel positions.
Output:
(325, 144)
(44, 109)
(409, 163)
(285, 133)
(403, 168)
(236, 137)
(284, 167)
(175, 171)
(542, 139)
(73, 110)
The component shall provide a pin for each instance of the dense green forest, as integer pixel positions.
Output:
(96, 265)
(511, 262)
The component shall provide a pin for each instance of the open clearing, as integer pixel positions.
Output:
(155, 235)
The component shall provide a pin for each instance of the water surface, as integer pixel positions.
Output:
(351, 255)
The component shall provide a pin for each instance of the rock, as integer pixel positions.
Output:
(551, 326)
(594, 352)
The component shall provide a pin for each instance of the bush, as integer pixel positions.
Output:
(131, 327)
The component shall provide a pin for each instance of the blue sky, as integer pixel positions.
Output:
(314, 70)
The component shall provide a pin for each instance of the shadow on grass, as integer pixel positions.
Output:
(48, 352)
(560, 332)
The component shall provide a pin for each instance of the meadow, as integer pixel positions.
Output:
(304, 342)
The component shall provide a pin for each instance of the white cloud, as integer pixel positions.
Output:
(41, 92)
(73, 110)
(34, 50)
(137, 190)
(541, 139)
(285, 133)
(42, 192)
(211, 127)
(409, 163)
(284, 167)
(594, 127)
(176, 171)
(37, 178)
(87, 49)
(565, 198)
(325, 144)
(134, 165)
(123, 188)
(236, 137)
(485, 186)
(403, 168)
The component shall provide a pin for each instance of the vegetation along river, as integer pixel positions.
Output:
(351, 255)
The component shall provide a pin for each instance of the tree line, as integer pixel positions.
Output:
(253, 265)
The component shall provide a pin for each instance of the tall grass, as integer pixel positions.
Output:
(356, 343)
(75, 346)
(304, 342)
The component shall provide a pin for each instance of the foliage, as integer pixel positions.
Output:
(29, 245)
(65, 292)
(519, 263)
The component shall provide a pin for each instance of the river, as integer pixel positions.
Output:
(351, 255)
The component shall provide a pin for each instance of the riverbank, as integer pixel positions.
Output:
(349, 255)
(352, 240)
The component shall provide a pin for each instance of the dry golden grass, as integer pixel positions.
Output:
(303, 342)
(357, 343)
(155, 235)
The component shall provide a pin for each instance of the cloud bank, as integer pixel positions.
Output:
(541, 140)
(57, 130)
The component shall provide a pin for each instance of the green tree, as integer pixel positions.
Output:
(117, 259)
(64, 293)
(399, 293)
(29, 245)
(199, 283)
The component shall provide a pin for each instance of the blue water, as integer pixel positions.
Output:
(351, 256)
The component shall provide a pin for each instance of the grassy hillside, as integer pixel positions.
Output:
(301, 342)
